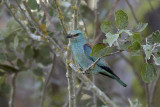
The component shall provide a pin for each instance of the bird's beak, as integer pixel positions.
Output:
(69, 36)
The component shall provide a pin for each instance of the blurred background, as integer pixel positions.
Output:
(34, 58)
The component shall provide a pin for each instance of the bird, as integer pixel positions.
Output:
(81, 51)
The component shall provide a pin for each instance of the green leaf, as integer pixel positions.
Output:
(28, 52)
(38, 72)
(156, 36)
(121, 19)
(106, 27)
(157, 60)
(136, 37)
(96, 48)
(140, 27)
(16, 41)
(148, 72)
(134, 103)
(50, 11)
(135, 46)
(2, 57)
(100, 50)
(4, 87)
(44, 51)
(33, 4)
(8, 69)
(148, 51)
(20, 64)
(125, 45)
(125, 31)
(111, 38)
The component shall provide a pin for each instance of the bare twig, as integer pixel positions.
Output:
(60, 17)
(134, 70)
(85, 27)
(147, 94)
(13, 88)
(113, 8)
(69, 74)
(95, 33)
(33, 36)
(92, 87)
(95, 18)
(46, 81)
(77, 93)
(133, 13)
(75, 22)
(49, 19)
(94, 95)
(149, 1)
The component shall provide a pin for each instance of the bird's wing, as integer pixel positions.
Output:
(87, 50)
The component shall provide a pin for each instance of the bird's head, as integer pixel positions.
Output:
(76, 36)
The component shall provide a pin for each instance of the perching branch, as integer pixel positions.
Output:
(46, 81)
(92, 65)
(13, 88)
(92, 87)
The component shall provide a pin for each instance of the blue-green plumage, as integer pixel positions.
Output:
(81, 52)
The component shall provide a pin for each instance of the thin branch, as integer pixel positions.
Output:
(75, 22)
(85, 27)
(147, 94)
(30, 13)
(33, 36)
(46, 82)
(105, 99)
(94, 95)
(77, 93)
(95, 33)
(60, 17)
(69, 73)
(149, 1)
(134, 70)
(133, 13)
(95, 18)
(155, 85)
(13, 88)
(51, 22)
(113, 8)
(87, 69)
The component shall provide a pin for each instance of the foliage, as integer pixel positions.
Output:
(21, 54)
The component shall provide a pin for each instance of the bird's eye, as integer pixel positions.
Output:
(76, 35)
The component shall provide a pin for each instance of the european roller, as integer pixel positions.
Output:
(81, 52)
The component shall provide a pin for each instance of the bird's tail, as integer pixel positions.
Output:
(121, 82)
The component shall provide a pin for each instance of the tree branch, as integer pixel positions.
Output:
(113, 8)
(13, 88)
(131, 8)
(60, 17)
(92, 87)
(46, 82)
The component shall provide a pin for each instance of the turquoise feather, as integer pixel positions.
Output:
(81, 52)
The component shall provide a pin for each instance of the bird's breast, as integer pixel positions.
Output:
(80, 57)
